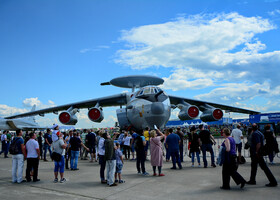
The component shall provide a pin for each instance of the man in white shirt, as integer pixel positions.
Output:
(238, 136)
(33, 156)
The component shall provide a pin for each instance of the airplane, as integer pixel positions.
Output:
(25, 123)
(146, 107)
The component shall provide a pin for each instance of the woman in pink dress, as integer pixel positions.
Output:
(156, 151)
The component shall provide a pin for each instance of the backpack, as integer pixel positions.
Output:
(14, 147)
(138, 145)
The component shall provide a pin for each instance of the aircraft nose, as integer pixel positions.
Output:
(157, 108)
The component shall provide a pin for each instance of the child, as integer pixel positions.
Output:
(119, 164)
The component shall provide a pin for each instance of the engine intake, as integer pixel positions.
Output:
(188, 112)
(67, 118)
(214, 114)
(95, 114)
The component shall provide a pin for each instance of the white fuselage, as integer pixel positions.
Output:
(19, 123)
(146, 110)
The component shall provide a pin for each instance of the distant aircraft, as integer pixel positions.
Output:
(26, 123)
(147, 107)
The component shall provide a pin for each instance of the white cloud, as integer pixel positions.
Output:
(7, 110)
(274, 12)
(174, 113)
(196, 40)
(232, 92)
(47, 121)
(29, 102)
(85, 50)
(98, 48)
(103, 47)
(189, 78)
(202, 51)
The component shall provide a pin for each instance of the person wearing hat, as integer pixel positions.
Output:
(55, 133)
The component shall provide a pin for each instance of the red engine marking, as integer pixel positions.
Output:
(64, 117)
(218, 114)
(94, 114)
(193, 112)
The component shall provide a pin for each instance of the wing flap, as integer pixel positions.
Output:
(11, 124)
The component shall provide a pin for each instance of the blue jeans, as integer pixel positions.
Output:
(8, 147)
(74, 159)
(147, 146)
(167, 152)
(140, 160)
(197, 156)
(111, 169)
(4, 148)
(102, 163)
(47, 147)
(271, 157)
(181, 148)
(204, 148)
(176, 159)
(59, 166)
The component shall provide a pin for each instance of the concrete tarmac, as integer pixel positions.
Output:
(188, 183)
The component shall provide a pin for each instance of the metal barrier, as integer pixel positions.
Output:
(219, 141)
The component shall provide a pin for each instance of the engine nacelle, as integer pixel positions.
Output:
(95, 114)
(188, 112)
(67, 118)
(214, 114)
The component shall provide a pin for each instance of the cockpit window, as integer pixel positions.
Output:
(148, 90)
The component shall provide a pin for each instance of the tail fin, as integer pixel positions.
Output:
(32, 118)
(33, 108)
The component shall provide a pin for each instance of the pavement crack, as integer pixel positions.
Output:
(68, 193)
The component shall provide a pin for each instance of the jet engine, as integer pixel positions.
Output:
(187, 111)
(95, 114)
(213, 114)
(68, 117)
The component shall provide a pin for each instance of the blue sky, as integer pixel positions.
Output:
(57, 52)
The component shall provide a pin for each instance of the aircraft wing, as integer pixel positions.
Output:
(114, 100)
(30, 128)
(177, 100)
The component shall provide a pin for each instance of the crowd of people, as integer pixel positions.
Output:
(110, 150)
